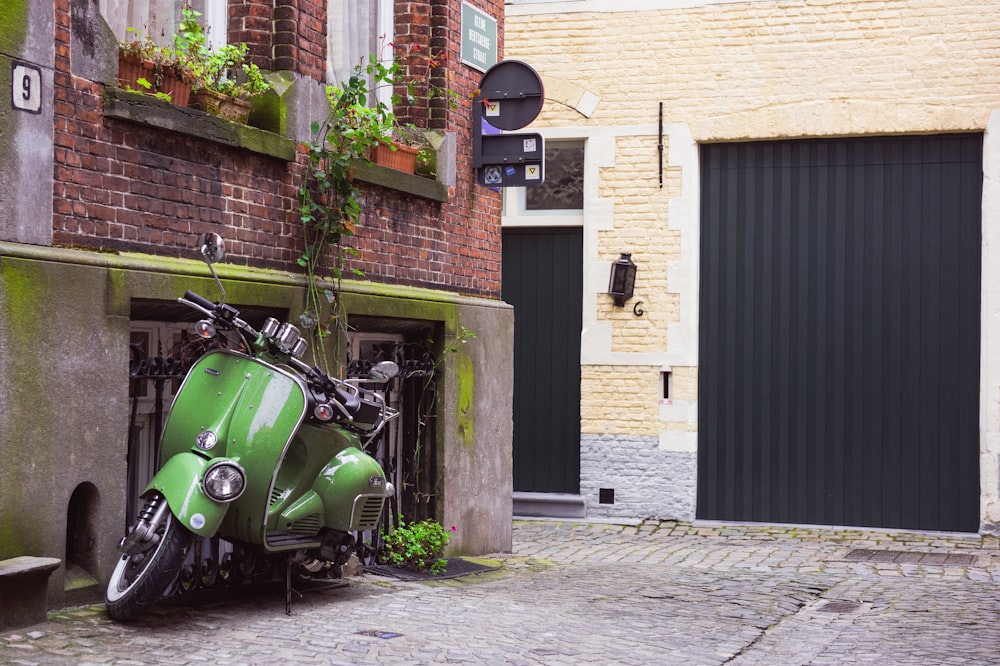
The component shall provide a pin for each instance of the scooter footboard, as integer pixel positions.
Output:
(179, 480)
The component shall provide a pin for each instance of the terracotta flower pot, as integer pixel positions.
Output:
(131, 69)
(403, 158)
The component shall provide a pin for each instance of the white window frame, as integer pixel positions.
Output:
(516, 213)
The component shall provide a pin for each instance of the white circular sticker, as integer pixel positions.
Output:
(197, 521)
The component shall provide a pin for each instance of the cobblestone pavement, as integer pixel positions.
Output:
(596, 593)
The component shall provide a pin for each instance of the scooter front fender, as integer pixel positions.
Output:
(179, 480)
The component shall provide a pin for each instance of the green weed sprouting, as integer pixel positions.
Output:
(417, 545)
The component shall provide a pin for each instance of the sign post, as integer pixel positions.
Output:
(510, 96)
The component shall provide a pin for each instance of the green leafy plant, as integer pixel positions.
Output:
(417, 545)
(328, 198)
(147, 88)
(166, 61)
(329, 205)
(224, 70)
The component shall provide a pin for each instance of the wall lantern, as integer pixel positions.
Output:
(622, 279)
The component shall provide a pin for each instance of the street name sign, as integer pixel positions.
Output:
(478, 47)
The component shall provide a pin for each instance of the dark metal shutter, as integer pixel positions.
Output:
(543, 280)
(840, 332)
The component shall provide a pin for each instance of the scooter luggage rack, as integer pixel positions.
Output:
(373, 414)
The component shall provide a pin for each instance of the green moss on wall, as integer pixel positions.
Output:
(465, 372)
(13, 25)
(23, 296)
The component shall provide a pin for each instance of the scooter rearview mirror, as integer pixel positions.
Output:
(383, 371)
(212, 247)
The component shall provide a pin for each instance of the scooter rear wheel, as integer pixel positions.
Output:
(142, 576)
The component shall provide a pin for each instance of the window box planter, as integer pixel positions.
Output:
(224, 106)
(163, 79)
(397, 156)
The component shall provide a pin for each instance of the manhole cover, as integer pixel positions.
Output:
(840, 607)
(378, 633)
(909, 557)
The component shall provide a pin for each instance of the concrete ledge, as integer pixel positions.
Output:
(24, 583)
(147, 110)
(549, 505)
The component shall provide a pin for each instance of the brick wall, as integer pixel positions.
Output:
(122, 186)
(250, 22)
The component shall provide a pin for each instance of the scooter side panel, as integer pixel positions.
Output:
(179, 480)
(354, 490)
(295, 506)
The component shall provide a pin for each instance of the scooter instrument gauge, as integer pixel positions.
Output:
(204, 329)
(286, 337)
(323, 412)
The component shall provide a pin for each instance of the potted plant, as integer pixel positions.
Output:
(401, 150)
(144, 66)
(223, 80)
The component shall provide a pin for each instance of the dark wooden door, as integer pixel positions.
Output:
(543, 280)
(840, 332)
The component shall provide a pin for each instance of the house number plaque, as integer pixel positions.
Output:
(26, 87)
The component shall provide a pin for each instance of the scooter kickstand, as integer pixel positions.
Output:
(288, 586)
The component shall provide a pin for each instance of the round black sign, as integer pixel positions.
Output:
(513, 94)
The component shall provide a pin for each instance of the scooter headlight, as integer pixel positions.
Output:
(224, 481)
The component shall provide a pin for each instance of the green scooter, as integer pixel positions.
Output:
(259, 449)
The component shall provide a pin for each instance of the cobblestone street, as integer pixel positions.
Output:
(572, 593)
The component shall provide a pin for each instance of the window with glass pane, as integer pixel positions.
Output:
(357, 29)
(562, 188)
(160, 18)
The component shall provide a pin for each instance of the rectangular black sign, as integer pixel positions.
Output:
(511, 149)
(527, 174)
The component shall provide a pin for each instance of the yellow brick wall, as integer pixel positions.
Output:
(736, 71)
(619, 400)
(640, 227)
(773, 69)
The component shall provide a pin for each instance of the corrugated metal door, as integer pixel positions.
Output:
(543, 280)
(840, 332)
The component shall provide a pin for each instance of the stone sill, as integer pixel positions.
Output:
(147, 110)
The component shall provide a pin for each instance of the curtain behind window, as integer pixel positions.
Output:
(355, 30)
(159, 18)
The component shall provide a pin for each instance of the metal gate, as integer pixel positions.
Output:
(543, 280)
(840, 332)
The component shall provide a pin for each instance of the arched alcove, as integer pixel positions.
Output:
(81, 537)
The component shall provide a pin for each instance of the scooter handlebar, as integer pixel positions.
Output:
(199, 300)
(224, 315)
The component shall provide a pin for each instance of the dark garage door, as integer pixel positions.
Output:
(840, 332)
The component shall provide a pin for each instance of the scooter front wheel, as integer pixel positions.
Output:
(144, 573)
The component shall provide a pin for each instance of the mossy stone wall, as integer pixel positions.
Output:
(27, 55)
(64, 405)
